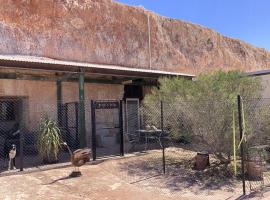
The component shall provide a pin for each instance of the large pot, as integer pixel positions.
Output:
(254, 169)
(201, 161)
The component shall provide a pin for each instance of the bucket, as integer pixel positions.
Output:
(201, 161)
(254, 170)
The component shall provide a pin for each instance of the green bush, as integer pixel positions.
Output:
(49, 140)
(200, 111)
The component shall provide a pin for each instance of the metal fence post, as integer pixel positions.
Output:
(162, 137)
(21, 151)
(77, 124)
(121, 128)
(93, 118)
(239, 103)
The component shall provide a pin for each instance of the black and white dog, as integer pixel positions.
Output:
(12, 155)
(11, 141)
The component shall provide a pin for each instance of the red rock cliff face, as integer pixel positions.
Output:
(101, 31)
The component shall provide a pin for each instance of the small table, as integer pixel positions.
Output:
(149, 134)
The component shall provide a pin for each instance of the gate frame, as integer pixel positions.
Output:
(93, 123)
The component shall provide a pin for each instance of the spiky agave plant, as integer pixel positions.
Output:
(49, 140)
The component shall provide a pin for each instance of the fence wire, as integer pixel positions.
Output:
(197, 139)
(20, 126)
(167, 145)
(257, 142)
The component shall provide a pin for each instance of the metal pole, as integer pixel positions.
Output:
(81, 111)
(162, 137)
(21, 151)
(59, 101)
(77, 124)
(121, 128)
(242, 146)
(93, 118)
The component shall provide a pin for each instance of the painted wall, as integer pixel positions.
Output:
(39, 98)
(266, 85)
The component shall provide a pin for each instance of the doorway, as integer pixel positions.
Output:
(133, 92)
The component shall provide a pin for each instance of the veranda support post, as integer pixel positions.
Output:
(81, 111)
(240, 120)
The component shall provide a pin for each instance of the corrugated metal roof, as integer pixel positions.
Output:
(258, 73)
(52, 64)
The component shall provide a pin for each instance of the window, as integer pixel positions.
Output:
(7, 111)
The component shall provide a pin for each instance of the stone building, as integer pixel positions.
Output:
(57, 56)
(31, 87)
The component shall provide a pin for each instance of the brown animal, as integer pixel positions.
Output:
(78, 158)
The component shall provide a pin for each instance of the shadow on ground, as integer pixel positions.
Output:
(147, 171)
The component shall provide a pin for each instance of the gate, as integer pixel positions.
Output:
(132, 125)
(132, 116)
(107, 128)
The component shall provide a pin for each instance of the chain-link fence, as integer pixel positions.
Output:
(23, 129)
(256, 139)
(192, 145)
(142, 144)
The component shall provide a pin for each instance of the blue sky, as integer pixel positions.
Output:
(248, 20)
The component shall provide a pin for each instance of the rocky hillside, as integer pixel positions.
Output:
(102, 31)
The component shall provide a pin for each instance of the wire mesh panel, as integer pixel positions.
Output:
(201, 143)
(11, 123)
(142, 144)
(132, 116)
(107, 127)
(69, 124)
(35, 131)
(256, 126)
(132, 122)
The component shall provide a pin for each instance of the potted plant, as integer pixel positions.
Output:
(49, 140)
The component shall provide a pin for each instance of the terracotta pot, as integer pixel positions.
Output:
(254, 170)
(201, 161)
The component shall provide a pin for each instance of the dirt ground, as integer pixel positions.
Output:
(180, 181)
(94, 184)
(130, 178)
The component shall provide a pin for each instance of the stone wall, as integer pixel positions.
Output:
(106, 32)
